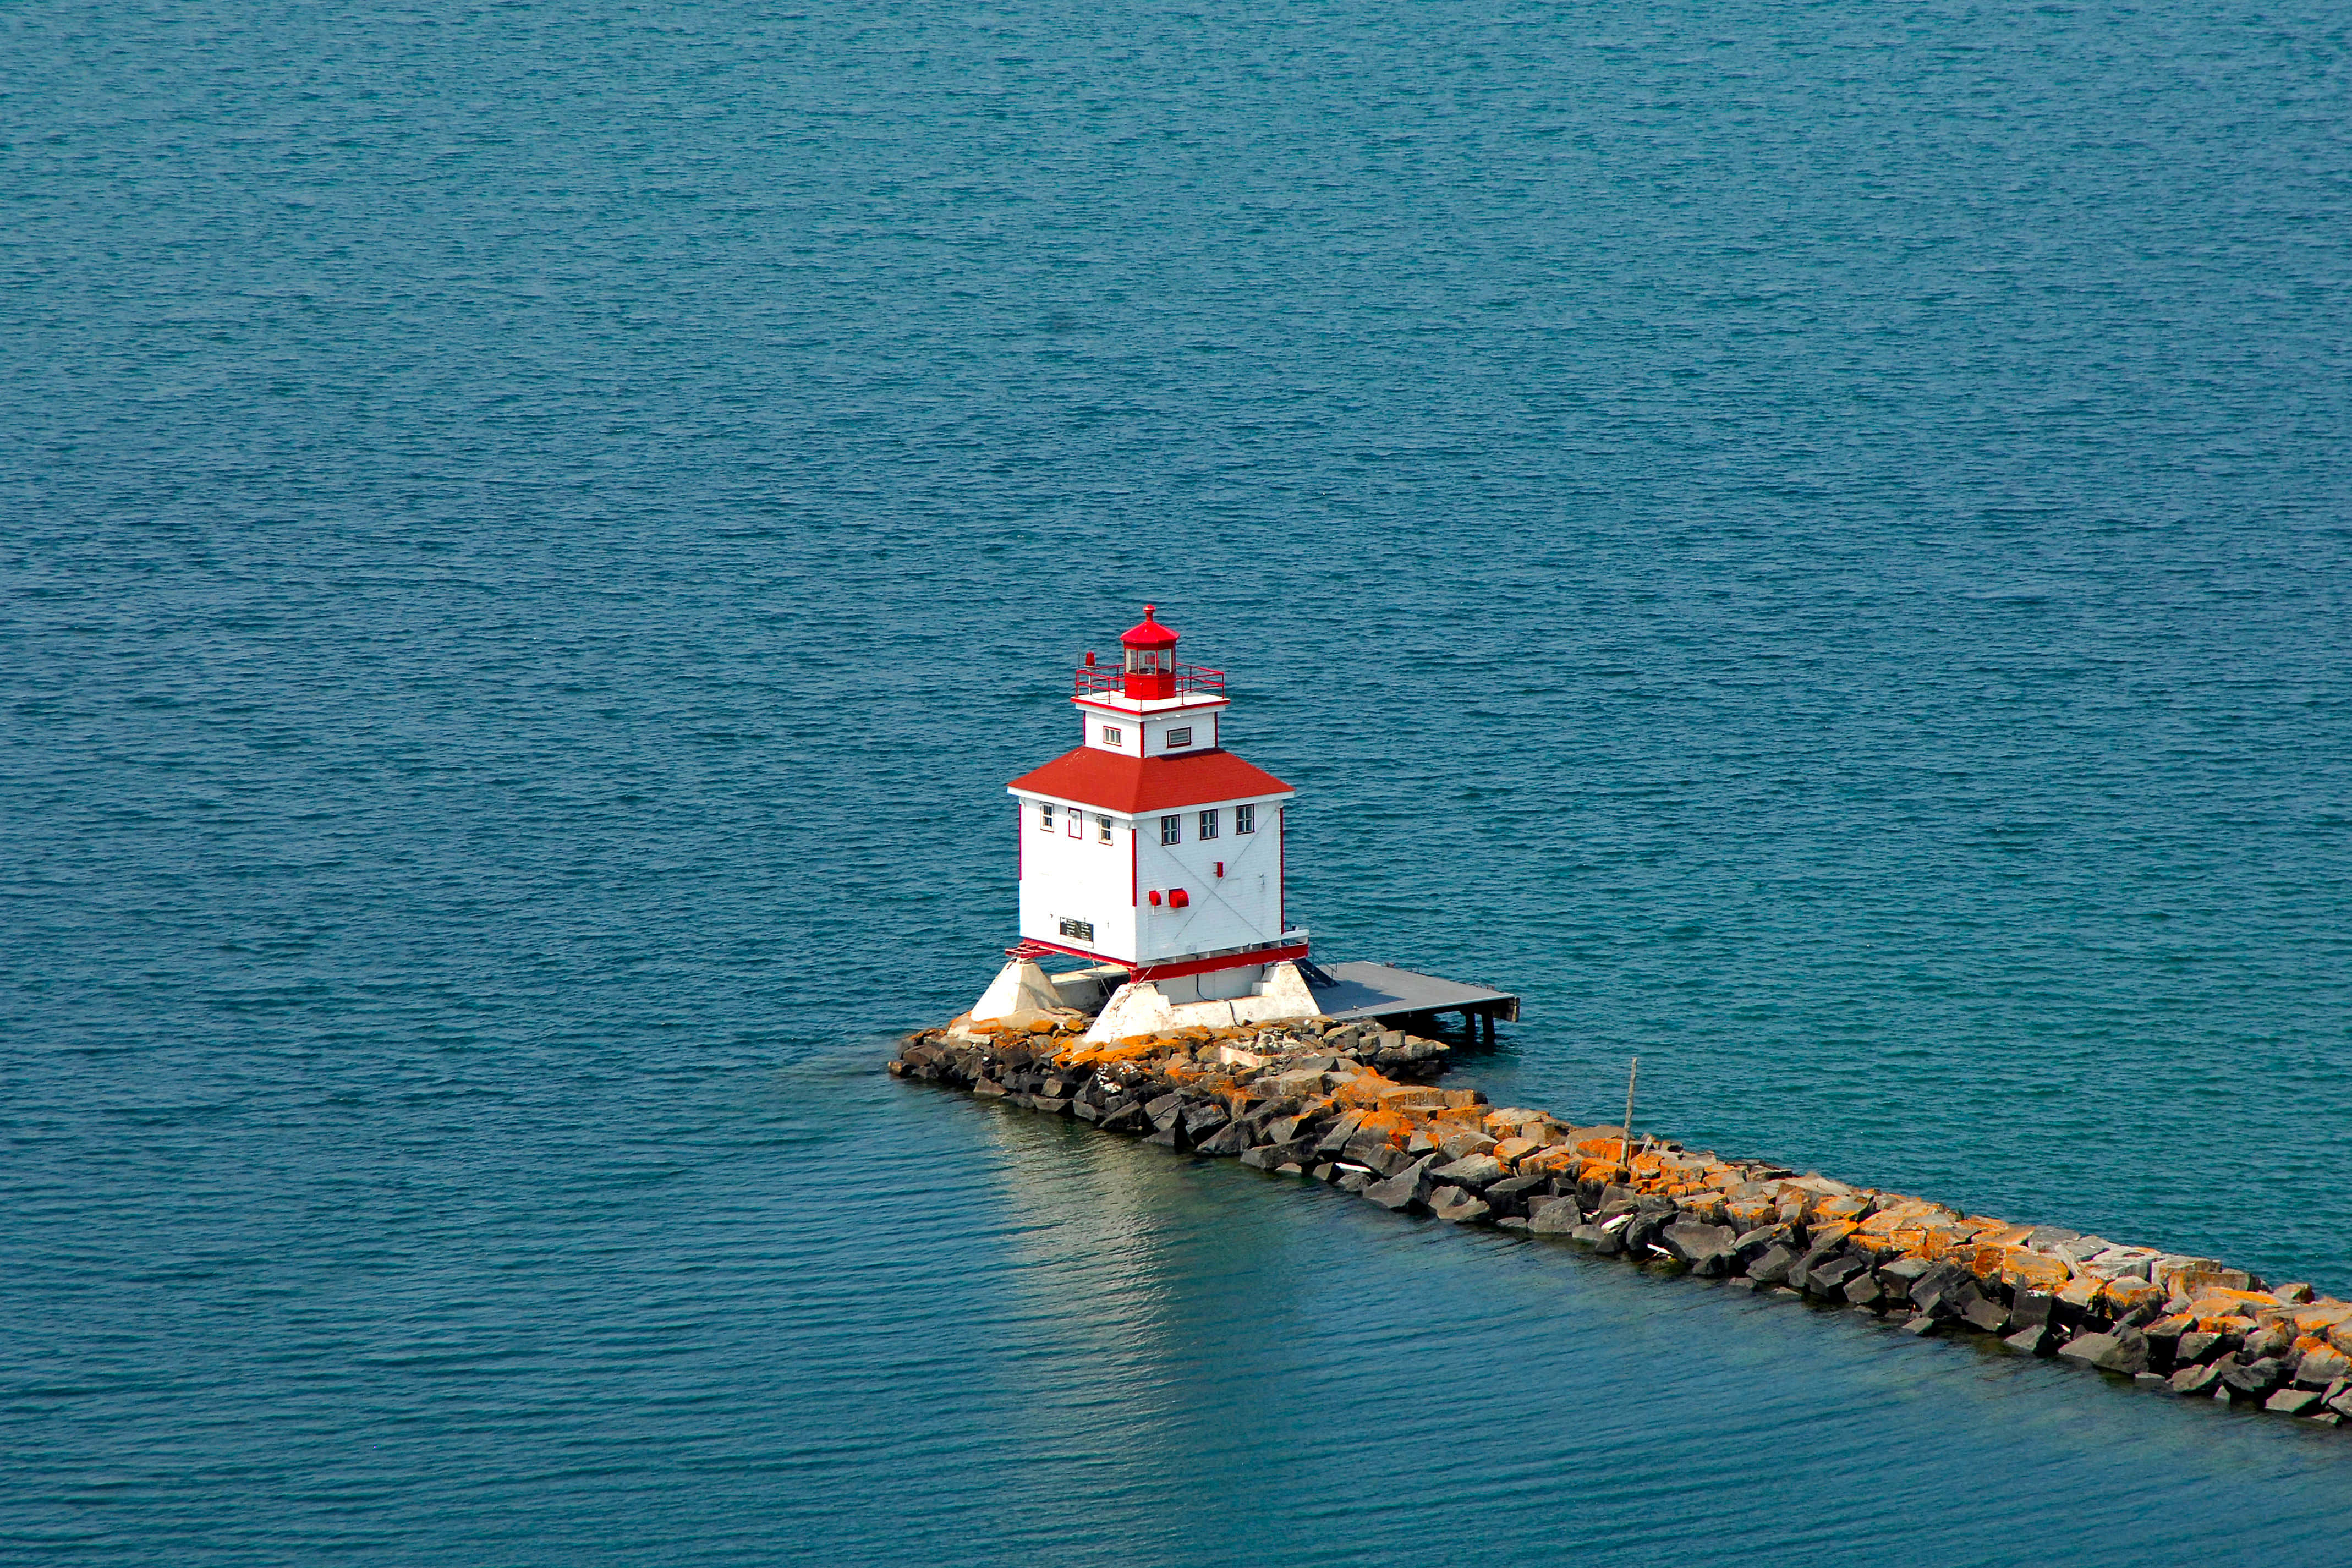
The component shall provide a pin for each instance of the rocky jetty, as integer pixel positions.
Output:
(1358, 1107)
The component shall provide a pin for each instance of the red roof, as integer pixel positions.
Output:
(1132, 785)
(1149, 634)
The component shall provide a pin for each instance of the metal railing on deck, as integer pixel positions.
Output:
(1191, 679)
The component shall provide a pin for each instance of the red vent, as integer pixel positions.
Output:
(1220, 865)
(1178, 899)
(1154, 897)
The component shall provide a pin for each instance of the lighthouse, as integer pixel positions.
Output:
(1156, 855)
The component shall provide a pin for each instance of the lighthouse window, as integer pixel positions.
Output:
(1046, 816)
(1078, 822)
(1111, 736)
(1208, 825)
(1102, 829)
(1172, 830)
(1180, 738)
(1244, 819)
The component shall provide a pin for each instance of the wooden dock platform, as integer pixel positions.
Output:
(1402, 996)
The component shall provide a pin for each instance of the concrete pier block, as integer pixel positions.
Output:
(1019, 995)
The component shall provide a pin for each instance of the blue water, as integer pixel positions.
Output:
(1812, 541)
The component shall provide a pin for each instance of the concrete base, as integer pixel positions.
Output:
(1021, 993)
(1275, 993)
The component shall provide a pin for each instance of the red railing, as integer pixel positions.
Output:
(1191, 678)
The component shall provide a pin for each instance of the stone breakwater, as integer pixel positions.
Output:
(1357, 1106)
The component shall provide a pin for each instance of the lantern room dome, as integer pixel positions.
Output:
(1149, 634)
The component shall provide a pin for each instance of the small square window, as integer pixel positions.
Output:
(1208, 823)
(1244, 819)
(1112, 735)
(1175, 737)
(1046, 816)
(1102, 829)
(1172, 830)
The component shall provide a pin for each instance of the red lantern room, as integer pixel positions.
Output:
(1150, 658)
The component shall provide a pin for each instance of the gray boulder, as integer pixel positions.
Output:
(2254, 1380)
(1514, 1195)
(1928, 1290)
(1462, 1144)
(1898, 1274)
(1457, 1205)
(1993, 1318)
(1335, 1137)
(1231, 1139)
(2124, 1352)
(1477, 1171)
(1409, 1188)
(1773, 1267)
(2196, 1379)
(1707, 1249)
(1829, 1278)
(2032, 1308)
(2320, 1368)
(1599, 1237)
(1553, 1217)
(2271, 1342)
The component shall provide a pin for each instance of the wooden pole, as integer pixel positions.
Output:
(1625, 1145)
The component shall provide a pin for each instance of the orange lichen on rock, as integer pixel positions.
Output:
(2022, 1269)
(1136, 1047)
(2241, 1304)
(2194, 1282)
(1363, 1089)
(1707, 1208)
(1891, 1212)
(2322, 1315)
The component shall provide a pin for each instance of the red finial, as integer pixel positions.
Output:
(1150, 632)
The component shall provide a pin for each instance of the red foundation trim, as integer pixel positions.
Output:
(1210, 966)
(1068, 951)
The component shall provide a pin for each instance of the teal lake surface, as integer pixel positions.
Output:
(1813, 541)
